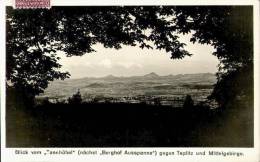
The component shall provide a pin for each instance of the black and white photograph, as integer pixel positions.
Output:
(130, 76)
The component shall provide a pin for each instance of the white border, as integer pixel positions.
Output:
(144, 2)
(256, 78)
(2, 74)
(252, 154)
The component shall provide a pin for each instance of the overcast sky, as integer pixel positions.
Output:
(132, 61)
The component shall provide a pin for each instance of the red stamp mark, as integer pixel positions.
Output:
(28, 4)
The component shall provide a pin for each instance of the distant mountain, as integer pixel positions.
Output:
(151, 75)
(169, 76)
(149, 84)
(110, 77)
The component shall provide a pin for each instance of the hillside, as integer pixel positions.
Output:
(170, 86)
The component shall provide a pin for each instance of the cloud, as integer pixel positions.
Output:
(129, 65)
(130, 61)
(106, 63)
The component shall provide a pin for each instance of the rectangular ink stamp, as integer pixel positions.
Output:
(32, 4)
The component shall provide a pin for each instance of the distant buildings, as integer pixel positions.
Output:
(174, 98)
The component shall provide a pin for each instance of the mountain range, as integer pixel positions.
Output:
(117, 86)
(154, 75)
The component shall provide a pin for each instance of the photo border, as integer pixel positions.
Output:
(251, 154)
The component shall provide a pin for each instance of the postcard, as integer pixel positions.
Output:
(129, 81)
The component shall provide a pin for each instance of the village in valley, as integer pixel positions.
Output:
(165, 91)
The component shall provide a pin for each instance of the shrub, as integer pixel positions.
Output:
(75, 99)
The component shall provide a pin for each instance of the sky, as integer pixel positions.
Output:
(134, 61)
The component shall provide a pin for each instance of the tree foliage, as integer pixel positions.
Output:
(75, 99)
(188, 102)
(230, 30)
(34, 38)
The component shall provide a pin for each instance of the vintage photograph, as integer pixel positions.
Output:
(130, 76)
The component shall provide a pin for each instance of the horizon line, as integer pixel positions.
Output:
(117, 76)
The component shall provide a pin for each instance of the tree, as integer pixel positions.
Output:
(157, 101)
(188, 102)
(35, 36)
(46, 101)
(75, 99)
(230, 31)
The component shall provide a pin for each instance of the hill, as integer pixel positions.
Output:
(152, 84)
